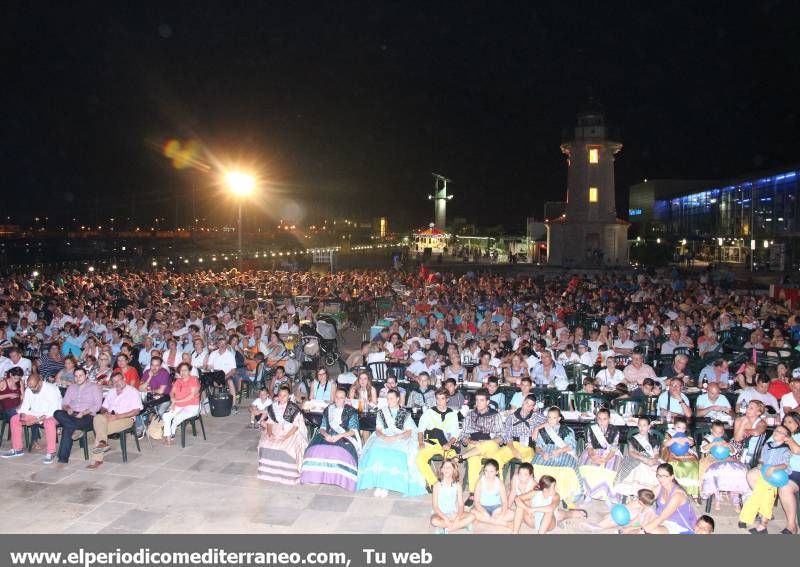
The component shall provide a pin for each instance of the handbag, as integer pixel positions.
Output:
(156, 428)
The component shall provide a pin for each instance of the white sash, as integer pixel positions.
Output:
(279, 412)
(335, 419)
(644, 441)
(600, 436)
(390, 429)
(555, 437)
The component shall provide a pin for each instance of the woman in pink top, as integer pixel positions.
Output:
(185, 397)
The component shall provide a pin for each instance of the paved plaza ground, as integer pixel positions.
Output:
(210, 487)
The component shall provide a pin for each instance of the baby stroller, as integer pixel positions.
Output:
(328, 345)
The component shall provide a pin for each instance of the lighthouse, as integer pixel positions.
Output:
(589, 232)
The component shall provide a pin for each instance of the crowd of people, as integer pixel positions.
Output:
(647, 391)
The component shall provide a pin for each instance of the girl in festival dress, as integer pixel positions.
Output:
(722, 477)
(638, 467)
(332, 455)
(283, 442)
(555, 455)
(599, 460)
(389, 458)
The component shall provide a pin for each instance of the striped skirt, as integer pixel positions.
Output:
(330, 463)
(279, 461)
(634, 475)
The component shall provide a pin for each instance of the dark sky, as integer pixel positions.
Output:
(351, 105)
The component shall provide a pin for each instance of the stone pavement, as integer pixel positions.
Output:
(208, 487)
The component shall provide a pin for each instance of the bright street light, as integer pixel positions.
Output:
(241, 185)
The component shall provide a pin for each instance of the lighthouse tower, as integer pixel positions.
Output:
(589, 233)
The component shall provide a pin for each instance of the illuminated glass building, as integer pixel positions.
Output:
(751, 220)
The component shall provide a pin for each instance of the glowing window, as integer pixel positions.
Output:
(594, 155)
(592, 194)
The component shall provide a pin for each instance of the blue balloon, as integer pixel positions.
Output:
(777, 479)
(621, 515)
(679, 449)
(720, 452)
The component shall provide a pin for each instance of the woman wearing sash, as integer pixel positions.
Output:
(638, 468)
(389, 459)
(555, 455)
(598, 462)
(332, 455)
(283, 442)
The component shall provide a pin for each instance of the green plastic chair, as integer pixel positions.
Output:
(589, 402)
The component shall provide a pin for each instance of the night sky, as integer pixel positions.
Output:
(348, 106)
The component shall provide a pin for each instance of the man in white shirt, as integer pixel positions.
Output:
(18, 361)
(791, 401)
(673, 401)
(610, 376)
(585, 353)
(674, 342)
(40, 401)
(223, 360)
(716, 372)
(624, 344)
(760, 392)
(713, 405)
(429, 365)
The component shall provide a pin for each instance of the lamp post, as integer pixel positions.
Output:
(241, 185)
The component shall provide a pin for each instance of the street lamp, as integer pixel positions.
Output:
(241, 185)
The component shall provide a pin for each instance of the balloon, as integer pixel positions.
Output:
(679, 449)
(620, 515)
(720, 452)
(777, 479)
